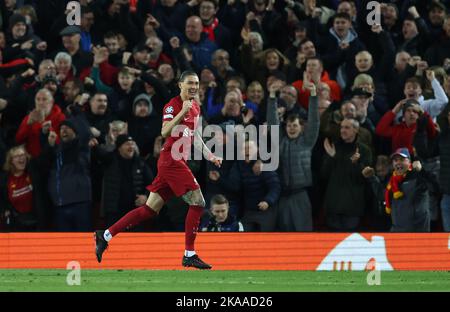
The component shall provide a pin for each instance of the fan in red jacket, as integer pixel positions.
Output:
(402, 134)
(314, 72)
(44, 118)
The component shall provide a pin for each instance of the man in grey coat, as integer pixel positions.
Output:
(296, 144)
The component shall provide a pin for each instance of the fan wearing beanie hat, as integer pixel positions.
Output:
(20, 33)
(123, 138)
(127, 151)
(69, 123)
(17, 19)
(67, 130)
(142, 105)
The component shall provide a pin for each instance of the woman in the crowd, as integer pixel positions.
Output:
(23, 195)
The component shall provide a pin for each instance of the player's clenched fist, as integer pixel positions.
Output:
(187, 105)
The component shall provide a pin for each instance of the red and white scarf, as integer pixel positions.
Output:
(210, 29)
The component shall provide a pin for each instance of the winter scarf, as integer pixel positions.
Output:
(393, 188)
(210, 30)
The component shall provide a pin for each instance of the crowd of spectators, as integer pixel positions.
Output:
(364, 140)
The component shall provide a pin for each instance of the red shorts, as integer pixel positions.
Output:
(174, 179)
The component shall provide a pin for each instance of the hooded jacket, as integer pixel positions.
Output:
(13, 50)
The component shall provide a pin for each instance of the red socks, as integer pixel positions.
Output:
(191, 225)
(131, 219)
(143, 213)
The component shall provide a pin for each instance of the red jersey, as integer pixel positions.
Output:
(20, 193)
(185, 130)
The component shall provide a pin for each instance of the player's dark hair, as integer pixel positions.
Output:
(185, 74)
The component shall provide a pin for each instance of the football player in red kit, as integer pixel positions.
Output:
(180, 117)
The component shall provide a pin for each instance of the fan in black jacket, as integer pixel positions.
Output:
(69, 179)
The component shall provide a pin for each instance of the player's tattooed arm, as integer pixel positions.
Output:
(200, 145)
